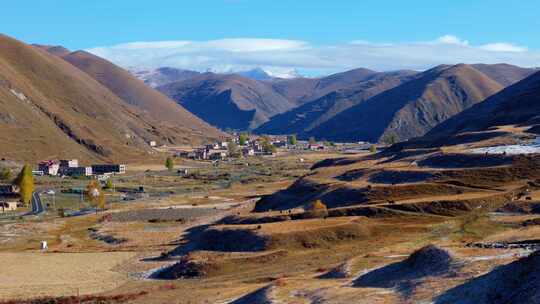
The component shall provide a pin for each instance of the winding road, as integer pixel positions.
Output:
(37, 205)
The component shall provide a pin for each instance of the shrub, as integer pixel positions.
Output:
(316, 209)
(5, 174)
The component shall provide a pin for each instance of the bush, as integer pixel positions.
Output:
(316, 209)
(5, 174)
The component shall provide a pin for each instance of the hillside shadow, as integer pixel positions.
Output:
(516, 282)
(406, 275)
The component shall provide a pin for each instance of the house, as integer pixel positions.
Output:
(9, 197)
(152, 143)
(280, 144)
(183, 172)
(76, 171)
(315, 147)
(248, 152)
(201, 153)
(37, 173)
(214, 146)
(9, 202)
(224, 145)
(218, 155)
(69, 163)
(108, 168)
(49, 167)
(8, 189)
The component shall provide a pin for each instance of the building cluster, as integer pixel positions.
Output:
(70, 167)
(253, 146)
(9, 197)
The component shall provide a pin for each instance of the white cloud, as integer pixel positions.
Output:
(285, 56)
(503, 47)
(451, 39)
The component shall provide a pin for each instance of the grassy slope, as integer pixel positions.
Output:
(67, 113)
(136, 93)
(412, 108)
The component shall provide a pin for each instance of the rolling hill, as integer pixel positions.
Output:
(228, 101)
(345, 92)
(244, 103)
(518, 104)
(51, 109)
(136, 93)
(505, 74)
(412, 108)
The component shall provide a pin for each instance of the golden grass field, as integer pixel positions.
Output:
(37, 274)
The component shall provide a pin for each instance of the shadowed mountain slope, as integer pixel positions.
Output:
(517, 104)
(347, 94)
(413, 108)
(228, 101)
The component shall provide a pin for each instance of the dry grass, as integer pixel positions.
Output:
(36, 274)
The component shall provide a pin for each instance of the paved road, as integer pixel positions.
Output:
(37, 205)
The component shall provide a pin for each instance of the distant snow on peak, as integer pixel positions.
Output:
(283, 58)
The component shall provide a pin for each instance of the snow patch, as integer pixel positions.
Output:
(529, 148)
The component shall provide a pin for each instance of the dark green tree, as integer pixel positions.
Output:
(5, 174)
(169, 163)
(292, 140)
(242, 139)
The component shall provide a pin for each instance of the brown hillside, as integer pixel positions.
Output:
(49, 108)
(228, 101)
(135, 92)
(505, 74)
(348, 92)
(518, 104)
(413, 108)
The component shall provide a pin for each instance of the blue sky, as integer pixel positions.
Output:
(320, 24)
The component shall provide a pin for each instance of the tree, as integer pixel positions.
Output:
(373, 149)
(109, 184)
(242, 139)
(312, 140)
(267, 145)
(317, 209)
(25, 181)
(169, 163)
(233, 150)
(95, 195)
(292, 140)
(5, 174)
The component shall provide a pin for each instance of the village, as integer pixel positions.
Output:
(238, 146)
(247, 145)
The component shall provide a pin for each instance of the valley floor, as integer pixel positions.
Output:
(197, 240)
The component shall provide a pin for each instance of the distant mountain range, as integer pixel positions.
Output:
(51, 108)
(356, 105)
(57, 103)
